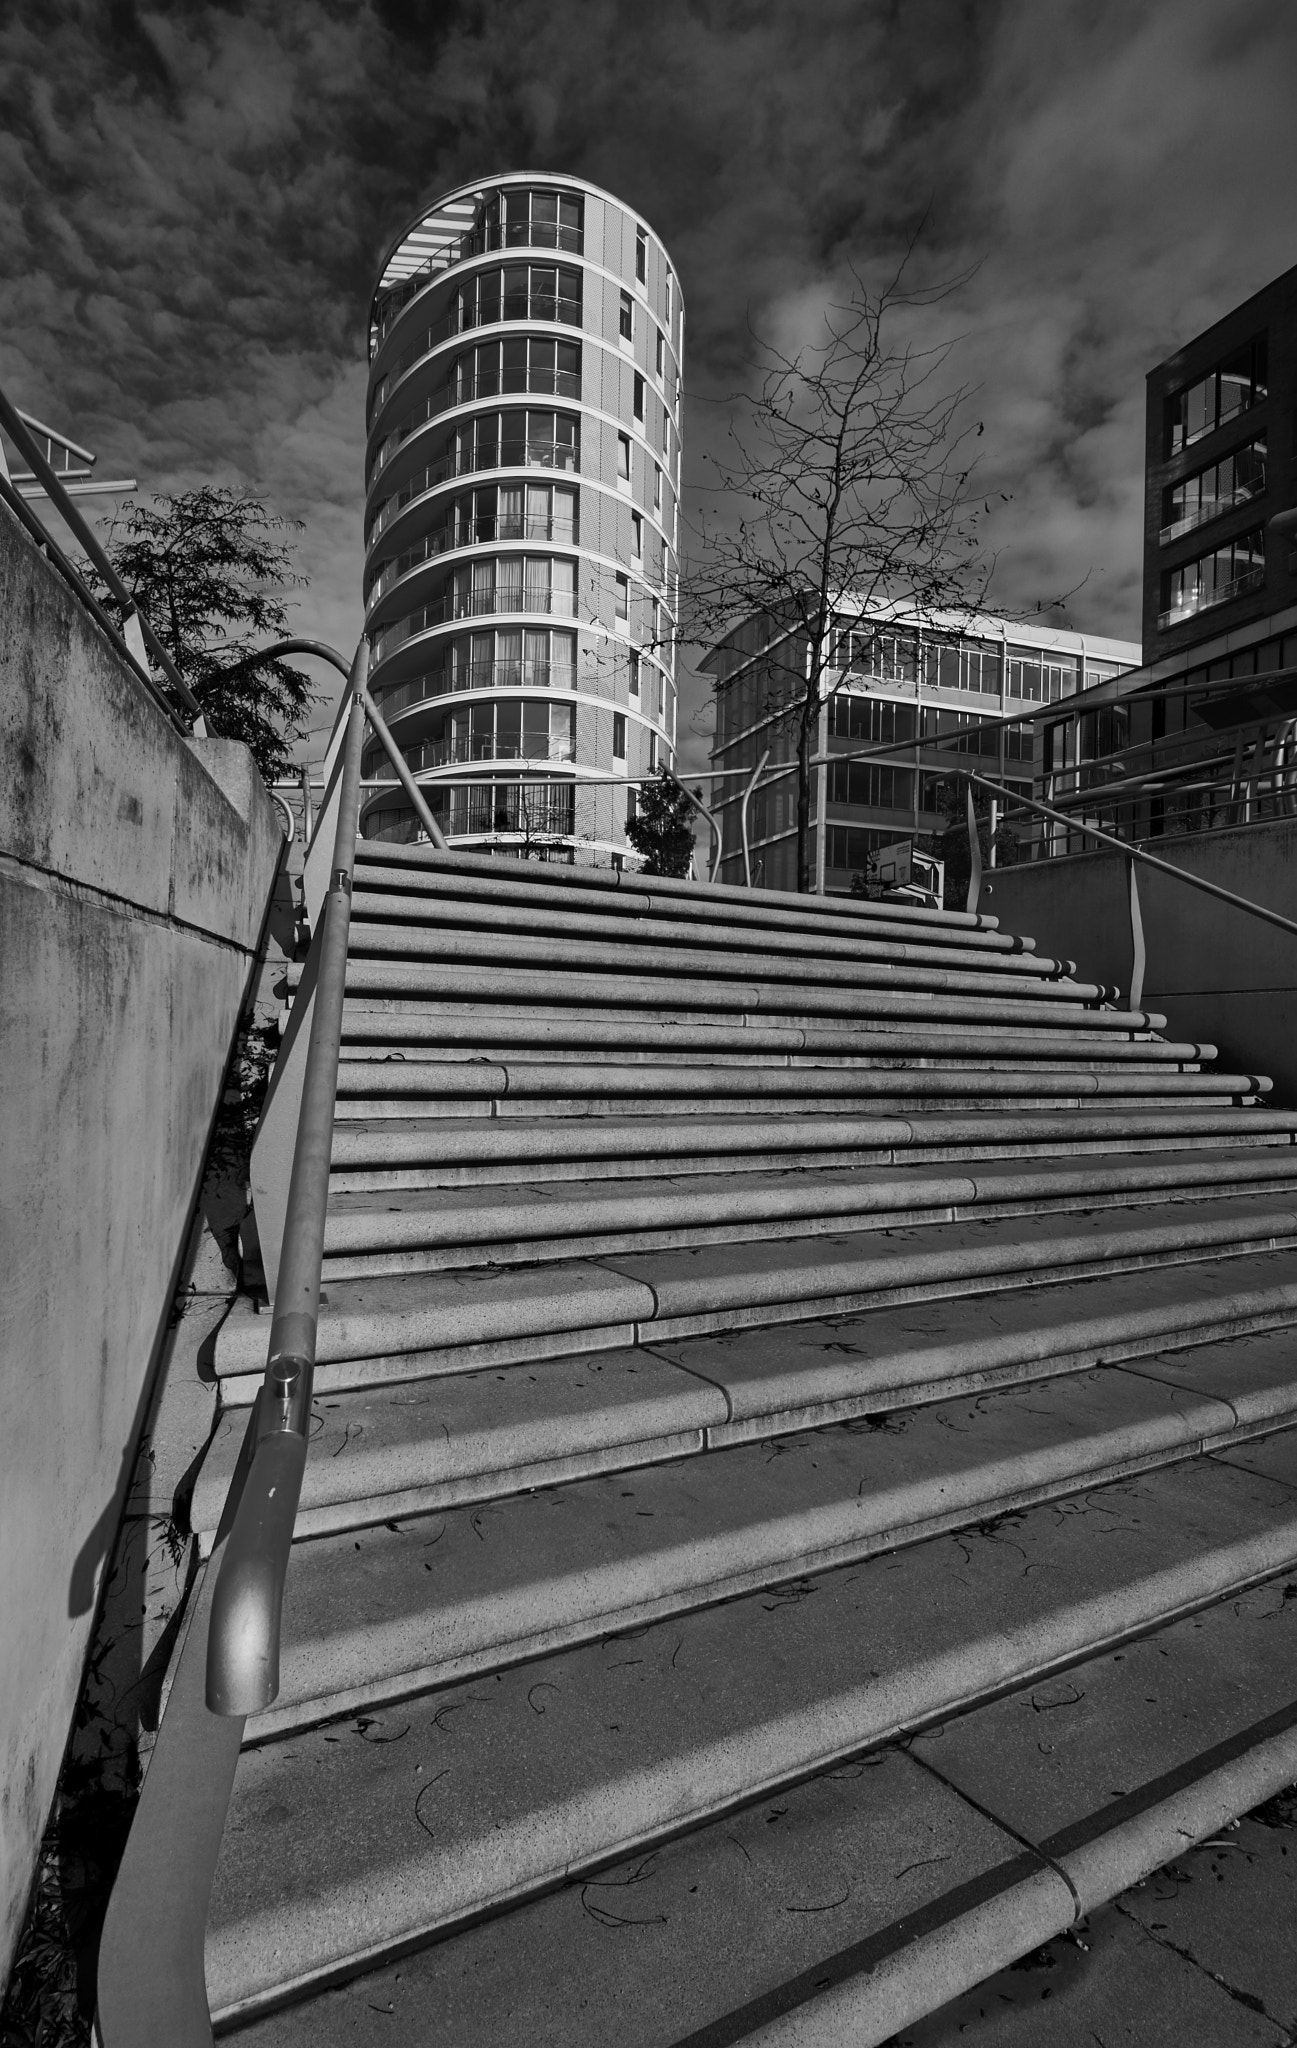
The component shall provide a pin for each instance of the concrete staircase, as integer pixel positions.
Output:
(803, 1473)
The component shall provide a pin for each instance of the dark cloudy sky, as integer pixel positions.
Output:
(193, 198)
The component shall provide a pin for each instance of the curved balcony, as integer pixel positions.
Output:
(462, 391)
(516, 304)
(450, 753)
(520, 454)
(481, 675)
(474, 604)
(549, 218)
(482, 529)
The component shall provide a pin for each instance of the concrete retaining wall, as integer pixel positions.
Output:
(1216, 973)
(135, 872)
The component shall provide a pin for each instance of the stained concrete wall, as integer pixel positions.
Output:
(135, 872)
(1215, 973)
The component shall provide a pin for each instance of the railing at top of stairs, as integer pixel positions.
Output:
(1133, 855)
(134, 639)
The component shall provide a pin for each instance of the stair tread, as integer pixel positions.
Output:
(711, 898)
(387, 1077)
(676, 996)
(522, 1222)
(658, 927)
(483, 1030)
(378, 1453)
(830, 1129)
(431, 1309)
(492, 1788)
(393, 1609)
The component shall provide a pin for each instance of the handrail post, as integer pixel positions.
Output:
(243, 1636)
(974, 851)
(748, 788)
(1137, 953)
(699, 805)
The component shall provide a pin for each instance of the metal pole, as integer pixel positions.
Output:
(1137, 954)
(403, 775)
(749, 786)
(974, 851)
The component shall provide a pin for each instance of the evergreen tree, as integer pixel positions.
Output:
(663, 828)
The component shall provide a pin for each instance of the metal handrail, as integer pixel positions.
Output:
(243, 1634)
(1131, 853)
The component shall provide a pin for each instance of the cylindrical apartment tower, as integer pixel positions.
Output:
(522, 474)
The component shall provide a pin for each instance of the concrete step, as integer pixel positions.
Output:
(525, 881)
(416, 916)
(374, 1614)
(379, 1453)
(395, 1151)
(762, 1735)
(896, 1101)
(373, 1025)
(567, 1089)
(407, 1325)
(503, 985)
(699, 965)
(437, 1229)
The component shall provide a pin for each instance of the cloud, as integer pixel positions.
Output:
(193, 200)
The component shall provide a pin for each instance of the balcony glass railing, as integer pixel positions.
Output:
(513, 306)
(467, 533)
(476, 675)
(1206, 510)
(462, 391)
(474, 604)
(528, 454)
(1204, 599)
(445, 753)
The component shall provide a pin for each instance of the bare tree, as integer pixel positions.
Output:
(850, 474)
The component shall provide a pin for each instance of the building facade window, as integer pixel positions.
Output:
(518, 440)
(1229, 571)
(621, 599)
(510, 659)
(531, 362)
(1235, 384)
(1210, 492)
(657, 488)
(641, 254)
(515, 583)
(510, 729)
(626, 317)
(517, 291)
(847, 847)
(633, 679)
(637, 535)
(619, 735)
(870, 783)
(623, 458)
(871, 719)
(660, 353)
(888, 656)
(638, 397)
(536, 218)
(1041, 676)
